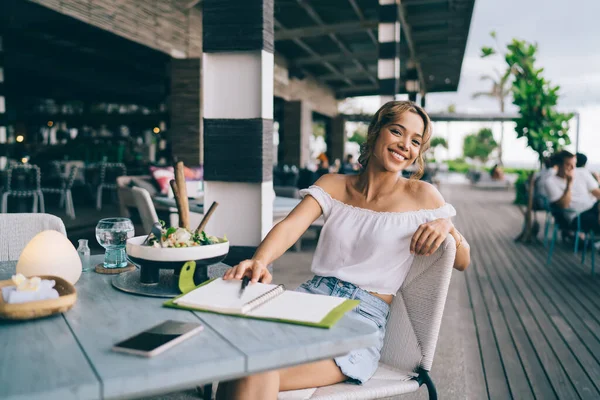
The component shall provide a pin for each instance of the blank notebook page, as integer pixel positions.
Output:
(220, 295)
(298, 306)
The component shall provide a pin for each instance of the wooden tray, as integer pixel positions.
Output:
(41, 308)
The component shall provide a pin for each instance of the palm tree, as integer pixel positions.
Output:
(500, 91)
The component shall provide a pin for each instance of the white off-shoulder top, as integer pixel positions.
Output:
(370, 249)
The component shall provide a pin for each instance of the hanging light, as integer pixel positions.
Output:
(20, 138)
(156, 130)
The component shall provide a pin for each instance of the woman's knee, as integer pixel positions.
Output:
(256, 386)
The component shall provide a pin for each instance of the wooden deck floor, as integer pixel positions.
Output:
(537, 326)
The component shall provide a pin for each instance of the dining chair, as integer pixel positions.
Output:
(589, 242)
(16, 230)
(109, 172)
(411, 335)
(145, 208)
(560, 223)
(63, 187)
(23, 180)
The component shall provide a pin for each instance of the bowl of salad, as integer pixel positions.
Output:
(173, 248)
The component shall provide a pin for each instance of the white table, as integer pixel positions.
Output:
(68, 356)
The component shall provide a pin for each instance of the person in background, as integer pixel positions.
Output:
(581, 166)
(323, 165)
(336, 167)
(578, 192)
(497, 173)
(540, 195)
(349, 167)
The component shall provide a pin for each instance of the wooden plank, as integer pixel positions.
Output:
(271, 345)
(501, 312)
(104, 316)
(474, 374)
(534, 371)
(495, 377)
(569, 303)
(41, 359)
(557, 301)
(581, 366)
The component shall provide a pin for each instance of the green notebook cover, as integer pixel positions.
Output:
(327, 322)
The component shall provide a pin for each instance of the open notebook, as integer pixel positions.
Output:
(263, 301)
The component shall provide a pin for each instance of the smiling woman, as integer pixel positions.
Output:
(375, 224)
(393, 119)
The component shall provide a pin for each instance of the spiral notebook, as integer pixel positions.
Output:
(264, 301)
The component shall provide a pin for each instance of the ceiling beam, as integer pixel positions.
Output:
(314, 54)
(436, 43)
(451, 18)
(315, 17)
(361, 17)
(443, 34)
(370, 55)
(322, 30)
(423, 2)
(358, 88)
(353, 74)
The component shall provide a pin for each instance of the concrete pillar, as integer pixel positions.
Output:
(3, 133)
(337, 138)
(238, 121)
(294, 139)
(185, 110)
(388, 64)
(423, 100)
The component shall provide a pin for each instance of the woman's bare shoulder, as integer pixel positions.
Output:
(425, 194)
(334, 184)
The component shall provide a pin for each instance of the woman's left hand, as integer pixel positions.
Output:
(430, 236)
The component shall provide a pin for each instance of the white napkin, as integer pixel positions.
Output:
(46, 291)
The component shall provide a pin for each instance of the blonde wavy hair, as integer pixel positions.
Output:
(387, 114)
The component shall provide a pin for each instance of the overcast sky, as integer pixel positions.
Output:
(568, 35)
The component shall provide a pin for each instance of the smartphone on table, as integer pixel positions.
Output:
(159, 338)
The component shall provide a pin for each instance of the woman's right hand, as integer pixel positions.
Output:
(254, 269)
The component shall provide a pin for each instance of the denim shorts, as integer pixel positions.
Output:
(358, 365)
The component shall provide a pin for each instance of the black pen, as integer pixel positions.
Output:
(245, 281)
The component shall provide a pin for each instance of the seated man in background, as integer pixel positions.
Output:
(574, 190)
(581, 166)
(548, 169)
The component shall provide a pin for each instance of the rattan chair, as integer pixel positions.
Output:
(24, 180)
(411, 335)
(16, 230)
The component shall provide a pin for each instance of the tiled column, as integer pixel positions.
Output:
(238, 121)
(388, 64)
(184, 129)
(294, 138)
(3, 132)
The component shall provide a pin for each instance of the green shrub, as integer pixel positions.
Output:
(458, 165)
